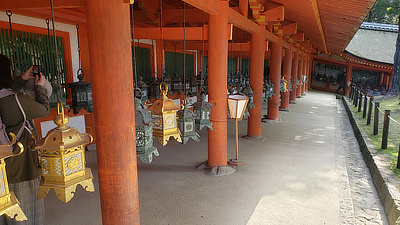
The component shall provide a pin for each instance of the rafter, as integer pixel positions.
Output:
(208, 6)
(37, 4)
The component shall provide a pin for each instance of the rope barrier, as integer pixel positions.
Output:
(391, 118)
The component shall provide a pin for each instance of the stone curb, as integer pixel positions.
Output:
(382, 177)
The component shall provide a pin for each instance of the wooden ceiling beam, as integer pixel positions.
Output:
(209, 6)
(298, 37)
(238, 20)
(172, 33)
(290, 29)
(37, 4)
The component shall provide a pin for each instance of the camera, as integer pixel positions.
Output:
(36, 70)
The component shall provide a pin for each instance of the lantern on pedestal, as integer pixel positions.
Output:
(202, 110)
(81, 94)
(63, 159)
(186, 122)
(9, 205)
(237, 105)
(144, 133)
(164, 111)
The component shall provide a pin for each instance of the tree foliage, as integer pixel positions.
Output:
(384, 11)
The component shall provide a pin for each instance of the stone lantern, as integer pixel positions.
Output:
(9, 205)
(202, 110)
(62, 157)
(144, 133)
(186, 124)
(164, 111)
(81, 94)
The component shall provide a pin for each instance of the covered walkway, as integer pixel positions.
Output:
(303, 173)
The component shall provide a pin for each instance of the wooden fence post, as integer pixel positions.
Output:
(385, 132)
(360, 98)
(376, 118)
(365, 106)
(371, 100)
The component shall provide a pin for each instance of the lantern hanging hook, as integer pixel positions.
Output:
(80, 73)
(56, 51)
(184, 51)
(161, 33)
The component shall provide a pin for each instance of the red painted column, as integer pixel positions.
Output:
(295, 68)
(287, 71)
(349, 75)
(299, 73)
(217, 83)
(109, 37)
(275, 71)
(257, 52)
(308, 72)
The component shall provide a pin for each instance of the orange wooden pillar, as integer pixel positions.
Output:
(109, 41)
(217, 83)
(287, 71)
(257, 52)
(295, 68)
(349, 75)
(275, 76)
(299, 73)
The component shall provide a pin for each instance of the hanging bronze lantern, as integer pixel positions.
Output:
(268, 90)
(9, 204)
(248, 91)
(186, 124)
(164, 110)
(154, 88)
(202, 110)
(81, 94)
(200, 80)
(193, 87)
(168, 81)
(62, 157)
(144, 133)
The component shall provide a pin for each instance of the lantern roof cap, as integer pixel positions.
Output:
(163, 103)
(142, 116)
(63, 138)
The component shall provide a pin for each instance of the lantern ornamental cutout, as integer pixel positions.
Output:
(81, 94)
(202, 110)
(9, 205)
(63, 159)
(186, 124)
(164, 111)
(144, 133)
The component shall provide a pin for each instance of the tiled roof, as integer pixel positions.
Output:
(380, 27)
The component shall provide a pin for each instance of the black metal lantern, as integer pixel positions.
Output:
(200, 79)
(168, 81)
(177, 85)
(81, 94)
(202, 110)
(143, 88)
(154, 88)
(144, 133)
(187, 85)
(186, 124)
(193, 87)
(268, 90)
(291, 84)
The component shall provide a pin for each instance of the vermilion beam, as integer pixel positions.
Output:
(29, 4)
(238, 20)
(209, 6)
(109, 41)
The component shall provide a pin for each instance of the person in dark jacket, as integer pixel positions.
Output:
(23, 171)
(341, 78)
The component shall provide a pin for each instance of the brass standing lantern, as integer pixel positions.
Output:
(237, 105)
(144, 133)
(186, 124)
(202, 110)
(62, 157)
(9, 204)
(164, 110)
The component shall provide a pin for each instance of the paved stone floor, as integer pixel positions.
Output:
(309, 170)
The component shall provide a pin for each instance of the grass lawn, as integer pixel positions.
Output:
(386, 103)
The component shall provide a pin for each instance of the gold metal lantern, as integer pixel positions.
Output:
(9, 204)
(62, 157)
(164, 111)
